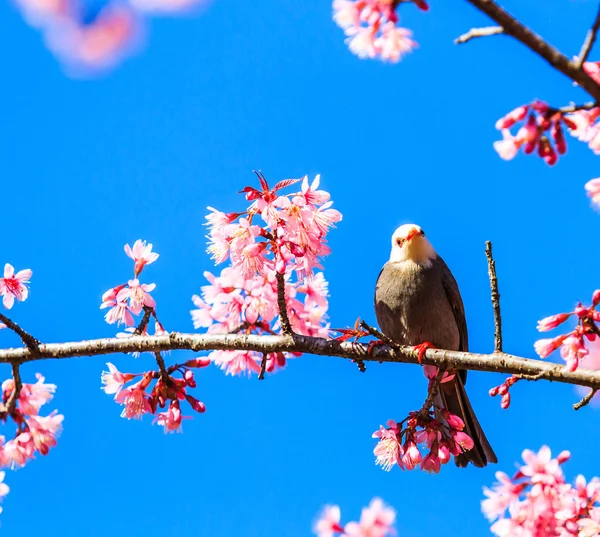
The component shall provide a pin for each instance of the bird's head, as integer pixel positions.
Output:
(409, 244)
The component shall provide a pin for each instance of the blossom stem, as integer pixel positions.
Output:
(590, 38)
(30, 342)
(495, 297)
(474, 33)
(286, 327)
(11, 404)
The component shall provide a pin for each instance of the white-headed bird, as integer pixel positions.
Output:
(417, 303)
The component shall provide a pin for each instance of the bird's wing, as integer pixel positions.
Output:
(453, 294)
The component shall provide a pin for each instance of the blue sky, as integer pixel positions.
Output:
(90, 165)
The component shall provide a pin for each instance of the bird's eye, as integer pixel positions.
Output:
(399, 241)
(422, 233)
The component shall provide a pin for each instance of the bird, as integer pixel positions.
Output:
(418, 304)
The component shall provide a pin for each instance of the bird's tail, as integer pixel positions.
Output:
(455, 400)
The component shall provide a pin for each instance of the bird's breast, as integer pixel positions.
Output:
(412, 307)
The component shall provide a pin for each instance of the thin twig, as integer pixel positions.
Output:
(30, 342)
(590, 38)
(537, 44)
(586, 400)
(573, 108)
(495, 297)
(286, 327)
(263, 366)
(474, 33)
(434, 388)
(521, 376)
(361, 365)
(378, 334)
(161, 366)
(11, 404)
(140, 329)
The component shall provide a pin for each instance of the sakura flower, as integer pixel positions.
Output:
(44, 430)
(592, 188)
(329, 522)
(572, 350)
(171, 419)
(14, 286)
(32, 396)
(119, 313)
(142, 254)
(236, 362)
(377, 518)
(19, 450)
(135, 400)
(113, 380)
(394, 43)
(545, 347)
(549, 323)
(388, 450)
(138, 295)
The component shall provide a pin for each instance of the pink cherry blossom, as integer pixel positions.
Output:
(371, 27)
(171, 419)
(135, 400)
(592, 188)
(32, 396)
(88, 48)
(236, 362)
(44, 430)
(388, 451)
(119, 313)
(113, 380)
(328, 523)
(549, 323)
(142, 254)
(138, 295)
(545, 347)
(14, 286)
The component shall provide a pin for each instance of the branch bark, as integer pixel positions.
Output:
(474, 33)
(538, 45)
(496, 362)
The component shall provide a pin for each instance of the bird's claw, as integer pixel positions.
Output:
(420, 350)
(373, 344)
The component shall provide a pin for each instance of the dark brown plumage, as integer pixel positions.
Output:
(417, 300)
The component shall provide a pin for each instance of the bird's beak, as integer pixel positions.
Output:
(414, 232)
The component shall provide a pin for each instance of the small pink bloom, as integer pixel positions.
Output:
(135, 400)
(119, 312)
(508, 147)
(113, 380)
(138, 295)
(572, 350)
(431, 463)
(44, 431)
(412, 456)
(171, 419)
(592, 188)
(33, 396)
(14, 285)
(545, 347)
(388, 450)
(19, 450)
(512, 117)
(329, 522)
(463, 440)
(552, 322)
(236, 362)
(142, 254)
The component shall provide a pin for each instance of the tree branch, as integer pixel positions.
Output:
(538, 45)
(590, 38)
(286, 327)
(29, 341)
(496, 362)
(474, 33)
(11, 404)
(495, 297)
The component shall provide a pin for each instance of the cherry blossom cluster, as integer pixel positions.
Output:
(376, 520)
(14, 286)
(289, 245)
(439, 434)
(89, 41)
(371, 27)
(234, 304)
(35, 433)
(537, 501)
(131, 298)
(155, 389)
(572, 344)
